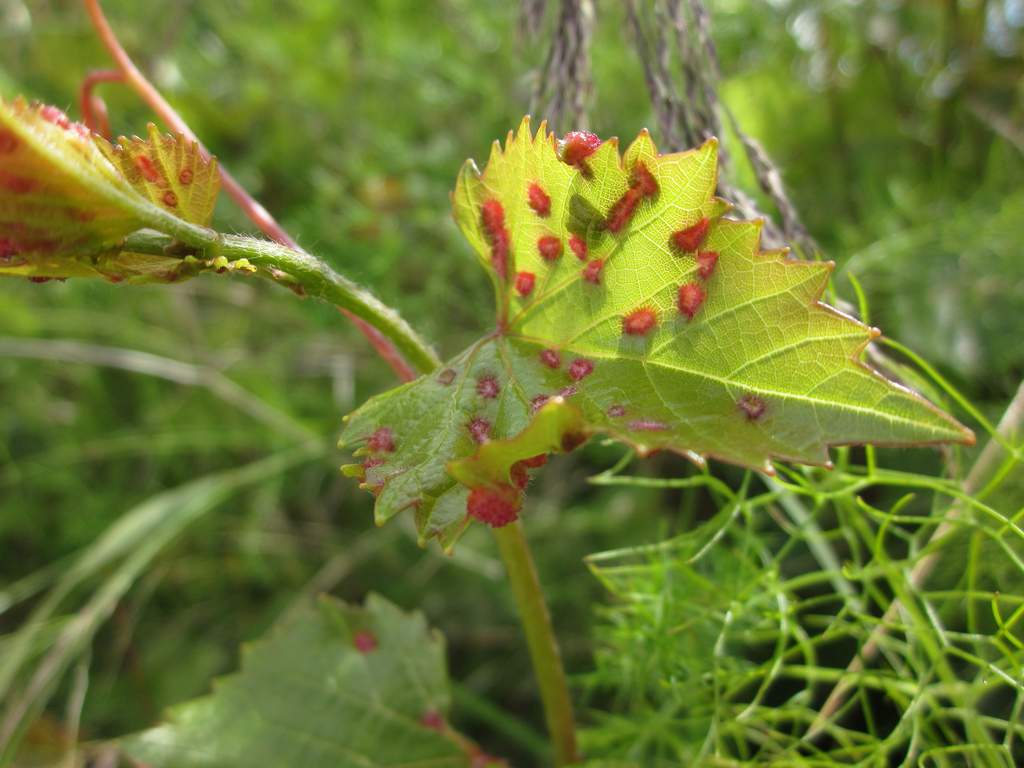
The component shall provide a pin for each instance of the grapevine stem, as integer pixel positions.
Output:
(541, 640)
(251, 207)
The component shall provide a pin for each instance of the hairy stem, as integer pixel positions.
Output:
(540, 637)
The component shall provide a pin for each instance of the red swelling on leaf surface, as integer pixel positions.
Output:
(690, 239)
(690, 298)
(577, 146)
(706, 261)
(549, 247)
(622, 211)
(538, 199)
(479, 429)
(644, 181)
(551, 358)
(578, 246)
(592, 272)
(524, 283)
(488, 387)
(383, 440)
(364, 641)
(752, 406)
(492, 216)
(496, 507)
(639, 322)
(580, 368)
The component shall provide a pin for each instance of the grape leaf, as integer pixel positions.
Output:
(68, 198)
(628, 306)
(336, 687)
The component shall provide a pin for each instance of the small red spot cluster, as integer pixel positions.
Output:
(578, 246)
(690, 239)
(640, 321)
(433, 720)
(496, 507)
(642, 185)
(170, 199)
(524, 283)
(616, 411)
(647, 425)
(147, 168)
(381, 441)
(577, 146)
(538, 199)
(487, 387)
(689, 300)
(446, 377)
(592, 272)
(549, 247)
(492, 216)
(580, 368)
(551, 358)
(53, 115)
(479, 430)
(538, 402)
(753, 407)
(8, 142)
(185, 177)
(18, 185)
(706, 261)
(364, 641)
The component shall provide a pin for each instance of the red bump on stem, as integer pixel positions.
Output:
(538, 199)
(496, 507)
(640, 321)
(690, 239)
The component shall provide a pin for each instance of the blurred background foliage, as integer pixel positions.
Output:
(897, 126)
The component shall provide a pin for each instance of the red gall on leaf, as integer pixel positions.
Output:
(538, 402)
(433, 720)
(479, 429)
(185, 177)
(580, 368)
(643, 180)
(622, 210)
(753, 407)
(8, 143)
(577, 146)
(572, 440)
(691, 297)
(492, 216)
(616, 411)
(364, 641)
(706, 261)
(568, 391)
(551, 358)
(524, 283)
(382, 441)
(373, 461)
(647, 425)
(488, 387)
(549, 247)
(538, 199)
(592, 272)
(578, 246)
(496, 507)
(690, 239)
(520, 477)
(640, 321)
(147, 169)
(535, 461)
(170, 199)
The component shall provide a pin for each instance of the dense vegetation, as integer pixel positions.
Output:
(167, 455)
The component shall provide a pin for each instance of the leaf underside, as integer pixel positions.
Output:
(68, 198)
(338, 686)
(754, 369)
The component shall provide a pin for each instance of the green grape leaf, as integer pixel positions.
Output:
(68, 199)
(337, 687)
(631, 306)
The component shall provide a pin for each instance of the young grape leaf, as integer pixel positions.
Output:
(627, 306)
(336, 687)
(68, 198)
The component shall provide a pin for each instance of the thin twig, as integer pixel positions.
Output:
(987, 462)
(563, 87)
(253, 210)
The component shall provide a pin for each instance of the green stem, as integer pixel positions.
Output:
(540, 637)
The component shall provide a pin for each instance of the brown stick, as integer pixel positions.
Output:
(255, 212)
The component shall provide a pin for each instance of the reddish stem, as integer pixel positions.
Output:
(92, 107)
(256, 213)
